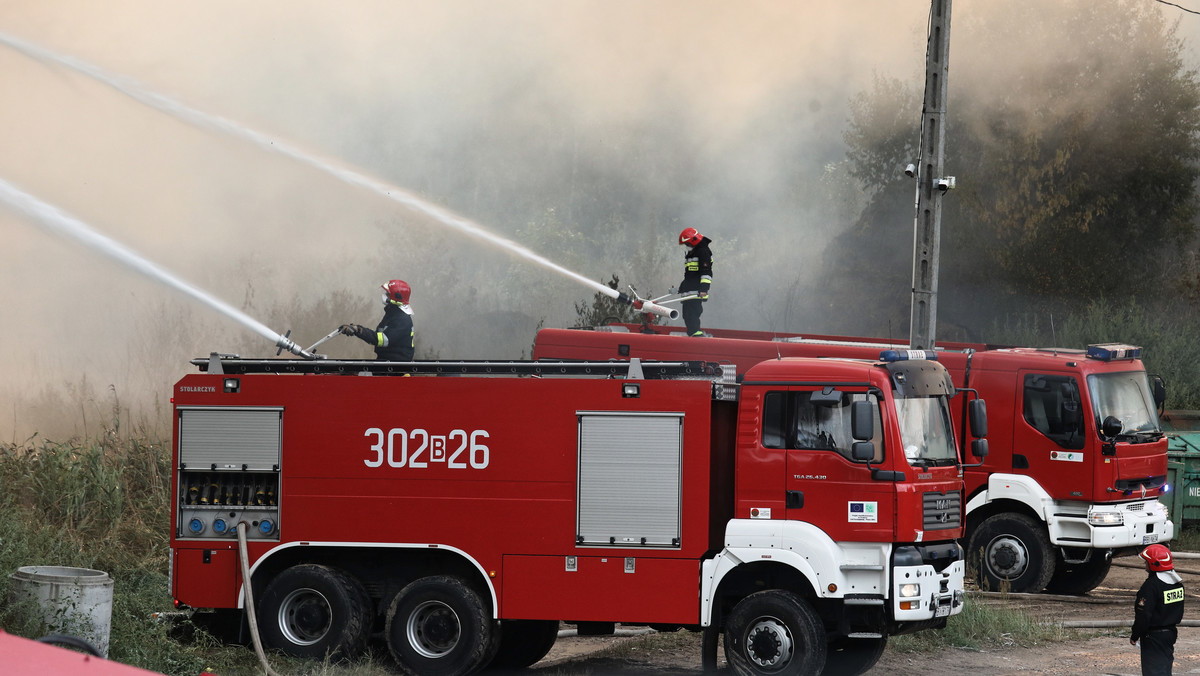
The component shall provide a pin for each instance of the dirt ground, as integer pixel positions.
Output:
(1099, 656)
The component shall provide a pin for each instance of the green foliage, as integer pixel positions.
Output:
(984, 624)
(1077, 155)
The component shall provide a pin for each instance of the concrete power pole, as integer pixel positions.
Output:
(931, 184)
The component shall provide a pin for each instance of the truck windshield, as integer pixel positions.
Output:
(1125, 396)
(925, 430)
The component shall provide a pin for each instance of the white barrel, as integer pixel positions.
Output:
(76, 601)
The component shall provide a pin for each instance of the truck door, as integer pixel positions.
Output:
(823, 485)
(1049, 441)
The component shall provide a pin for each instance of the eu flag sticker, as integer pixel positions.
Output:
(864, 512)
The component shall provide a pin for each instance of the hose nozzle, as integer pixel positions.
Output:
(285, 343)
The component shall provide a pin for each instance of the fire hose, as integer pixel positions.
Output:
(244, 559)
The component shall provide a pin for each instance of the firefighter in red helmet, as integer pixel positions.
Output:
(393, 339)
(697, 277)
(1158, 611)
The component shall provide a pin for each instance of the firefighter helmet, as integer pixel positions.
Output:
(690, 237)
(397, 290)
(1158, 558)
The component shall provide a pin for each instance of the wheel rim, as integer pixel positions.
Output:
(305, 616)
(1007, 557)
(769, 643)
(433, 629)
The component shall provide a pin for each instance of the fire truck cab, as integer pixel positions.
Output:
(466, 509)
(1077, 457)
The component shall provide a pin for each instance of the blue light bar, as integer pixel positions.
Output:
(905, 355)
(1112, 351)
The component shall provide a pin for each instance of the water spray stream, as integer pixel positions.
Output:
(58, 222)
(136, 91)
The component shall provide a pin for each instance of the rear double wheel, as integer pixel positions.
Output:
(439, 626)
(314, 611)
(774, 632)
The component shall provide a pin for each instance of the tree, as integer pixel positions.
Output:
(1074, 133)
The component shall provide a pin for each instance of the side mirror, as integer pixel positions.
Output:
(862, 422)
(1159, 386)
(1111, 427)
(862, 451)
(979, 447)
(978, 415)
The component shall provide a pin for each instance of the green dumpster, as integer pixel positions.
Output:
(1183, 466)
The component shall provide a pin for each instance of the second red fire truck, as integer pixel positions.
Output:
(808, 510)
(1077, 457)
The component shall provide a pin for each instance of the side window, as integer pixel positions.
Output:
(773, 420)
(792, 420)
(1051, 405)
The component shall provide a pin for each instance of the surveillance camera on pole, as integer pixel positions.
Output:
(944, 184)
(910, 171)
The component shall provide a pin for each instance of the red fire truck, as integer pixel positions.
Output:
(1077, 457)
(465, 509)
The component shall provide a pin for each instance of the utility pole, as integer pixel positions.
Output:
(931, 185)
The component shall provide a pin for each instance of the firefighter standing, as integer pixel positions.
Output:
(1157, 612)
(697, 277)
(393, 339)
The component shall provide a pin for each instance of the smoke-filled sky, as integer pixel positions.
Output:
(552, 123)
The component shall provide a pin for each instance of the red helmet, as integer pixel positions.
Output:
(1158, 558)
(690, 237)
(397, 290)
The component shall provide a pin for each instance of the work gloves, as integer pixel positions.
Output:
(361, 332)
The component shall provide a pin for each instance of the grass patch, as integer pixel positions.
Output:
(983, 625)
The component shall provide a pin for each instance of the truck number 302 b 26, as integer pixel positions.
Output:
(418, 449)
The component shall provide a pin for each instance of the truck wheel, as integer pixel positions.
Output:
(314, 611)
(438, 626)
(774, 632)
(1012, 551)
(853, 656)
(524, 642)
(1080, 578)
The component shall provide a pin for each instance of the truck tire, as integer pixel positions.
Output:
(1080, 578)
(1013, 552)
(774, 632)
(314, 611)
(524, 642)
(853, 656)
(438, 626)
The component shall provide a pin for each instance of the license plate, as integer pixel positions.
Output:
(942, 610)
(1149, 538)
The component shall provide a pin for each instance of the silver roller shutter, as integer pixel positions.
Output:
(229, 438)
(629, 479)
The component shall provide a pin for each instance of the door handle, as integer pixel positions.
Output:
(795, 499)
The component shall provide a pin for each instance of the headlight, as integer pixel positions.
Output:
(909, 591)
(1106, 518)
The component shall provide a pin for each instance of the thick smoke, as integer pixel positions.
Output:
(590, 132)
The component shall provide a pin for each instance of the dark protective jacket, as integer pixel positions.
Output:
(697, 268)
(393, 339)
(1159, 606)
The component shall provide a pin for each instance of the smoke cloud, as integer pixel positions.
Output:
(589, 132)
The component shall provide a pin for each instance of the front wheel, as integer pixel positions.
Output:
(438, 626)
(314, 611)
(1013, 552)
(774, 632)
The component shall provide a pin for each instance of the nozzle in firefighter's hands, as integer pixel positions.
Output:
(348, 329)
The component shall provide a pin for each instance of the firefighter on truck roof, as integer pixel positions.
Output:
(697, 277)
(393, 339)
(1157, 611)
